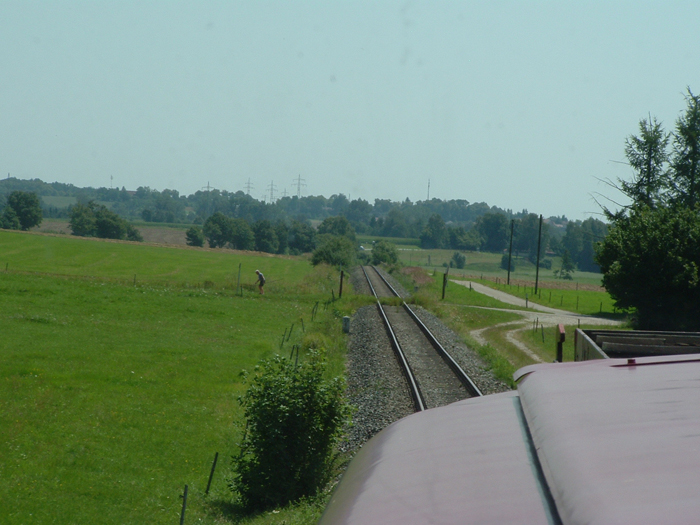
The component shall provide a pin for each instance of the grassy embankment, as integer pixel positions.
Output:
(119, 372)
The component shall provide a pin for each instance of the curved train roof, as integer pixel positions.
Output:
(597, 442)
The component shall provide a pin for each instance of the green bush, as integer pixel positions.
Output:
(458, 260)
(504, 262)
(384, 252)
(336, 251)
(293, 420)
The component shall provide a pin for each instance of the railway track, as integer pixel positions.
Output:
(433, 376)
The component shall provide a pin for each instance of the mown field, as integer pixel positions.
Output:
(119, 371)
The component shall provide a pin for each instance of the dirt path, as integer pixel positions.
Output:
(542, 315)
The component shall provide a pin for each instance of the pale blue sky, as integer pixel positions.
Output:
(518, 104)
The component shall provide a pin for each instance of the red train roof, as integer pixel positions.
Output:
(594, 442)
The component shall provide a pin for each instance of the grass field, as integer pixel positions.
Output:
(117, 391)
(488, 265)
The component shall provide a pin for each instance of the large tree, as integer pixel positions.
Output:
(647, 154)
(434, 235)
(493, 228)
(685, 159)
(26, 207)
(651, 263)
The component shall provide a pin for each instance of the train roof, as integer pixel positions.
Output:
(605, 441)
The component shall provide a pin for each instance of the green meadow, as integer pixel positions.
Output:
(485, 264)
(120, 367)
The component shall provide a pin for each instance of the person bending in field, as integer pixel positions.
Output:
(261, 281)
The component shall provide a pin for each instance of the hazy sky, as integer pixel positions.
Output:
(520, 104)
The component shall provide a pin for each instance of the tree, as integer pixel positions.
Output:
(337, 226)
(526, 236)
(217, 230)
(647, 155)
(685, 160)
(9, 219)
(567, 266)
(336, 251)
(458, 260)
(96, 220)
(493, 229)
(504, 262)
(302, 237)
(195, 236)
(434, 234)
(651, 263)
(26, 207)
(384, 252)
(241, 235)
(294, 418)
(265, 237)
(82, 220)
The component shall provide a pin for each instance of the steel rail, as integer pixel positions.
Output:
(456, 369)
(416, 394)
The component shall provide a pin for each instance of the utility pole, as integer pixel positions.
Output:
(539, 243)
(299, 182)
(510, 249)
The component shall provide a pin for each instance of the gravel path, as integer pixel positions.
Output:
(543, 315)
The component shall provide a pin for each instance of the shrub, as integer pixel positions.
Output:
(294, 419)
(504, 262)
(384, 252)
(458, 260)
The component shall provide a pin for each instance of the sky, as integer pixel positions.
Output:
(519, 104)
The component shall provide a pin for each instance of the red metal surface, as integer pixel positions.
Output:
(468, 462)
(618, 442)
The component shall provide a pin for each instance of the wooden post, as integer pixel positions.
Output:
(510, 249)
(539, 242)
(184, 506)
(561, 337)
(211, 474)
(340, 292)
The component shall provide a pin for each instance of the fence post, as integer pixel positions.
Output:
(211, 474)
(340, 292)
(561, 337)
(184, 506)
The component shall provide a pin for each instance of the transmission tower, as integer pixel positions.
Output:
(248, 186)
(299, 182)
(272, 189)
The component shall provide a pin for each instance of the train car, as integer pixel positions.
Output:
(594, 442)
